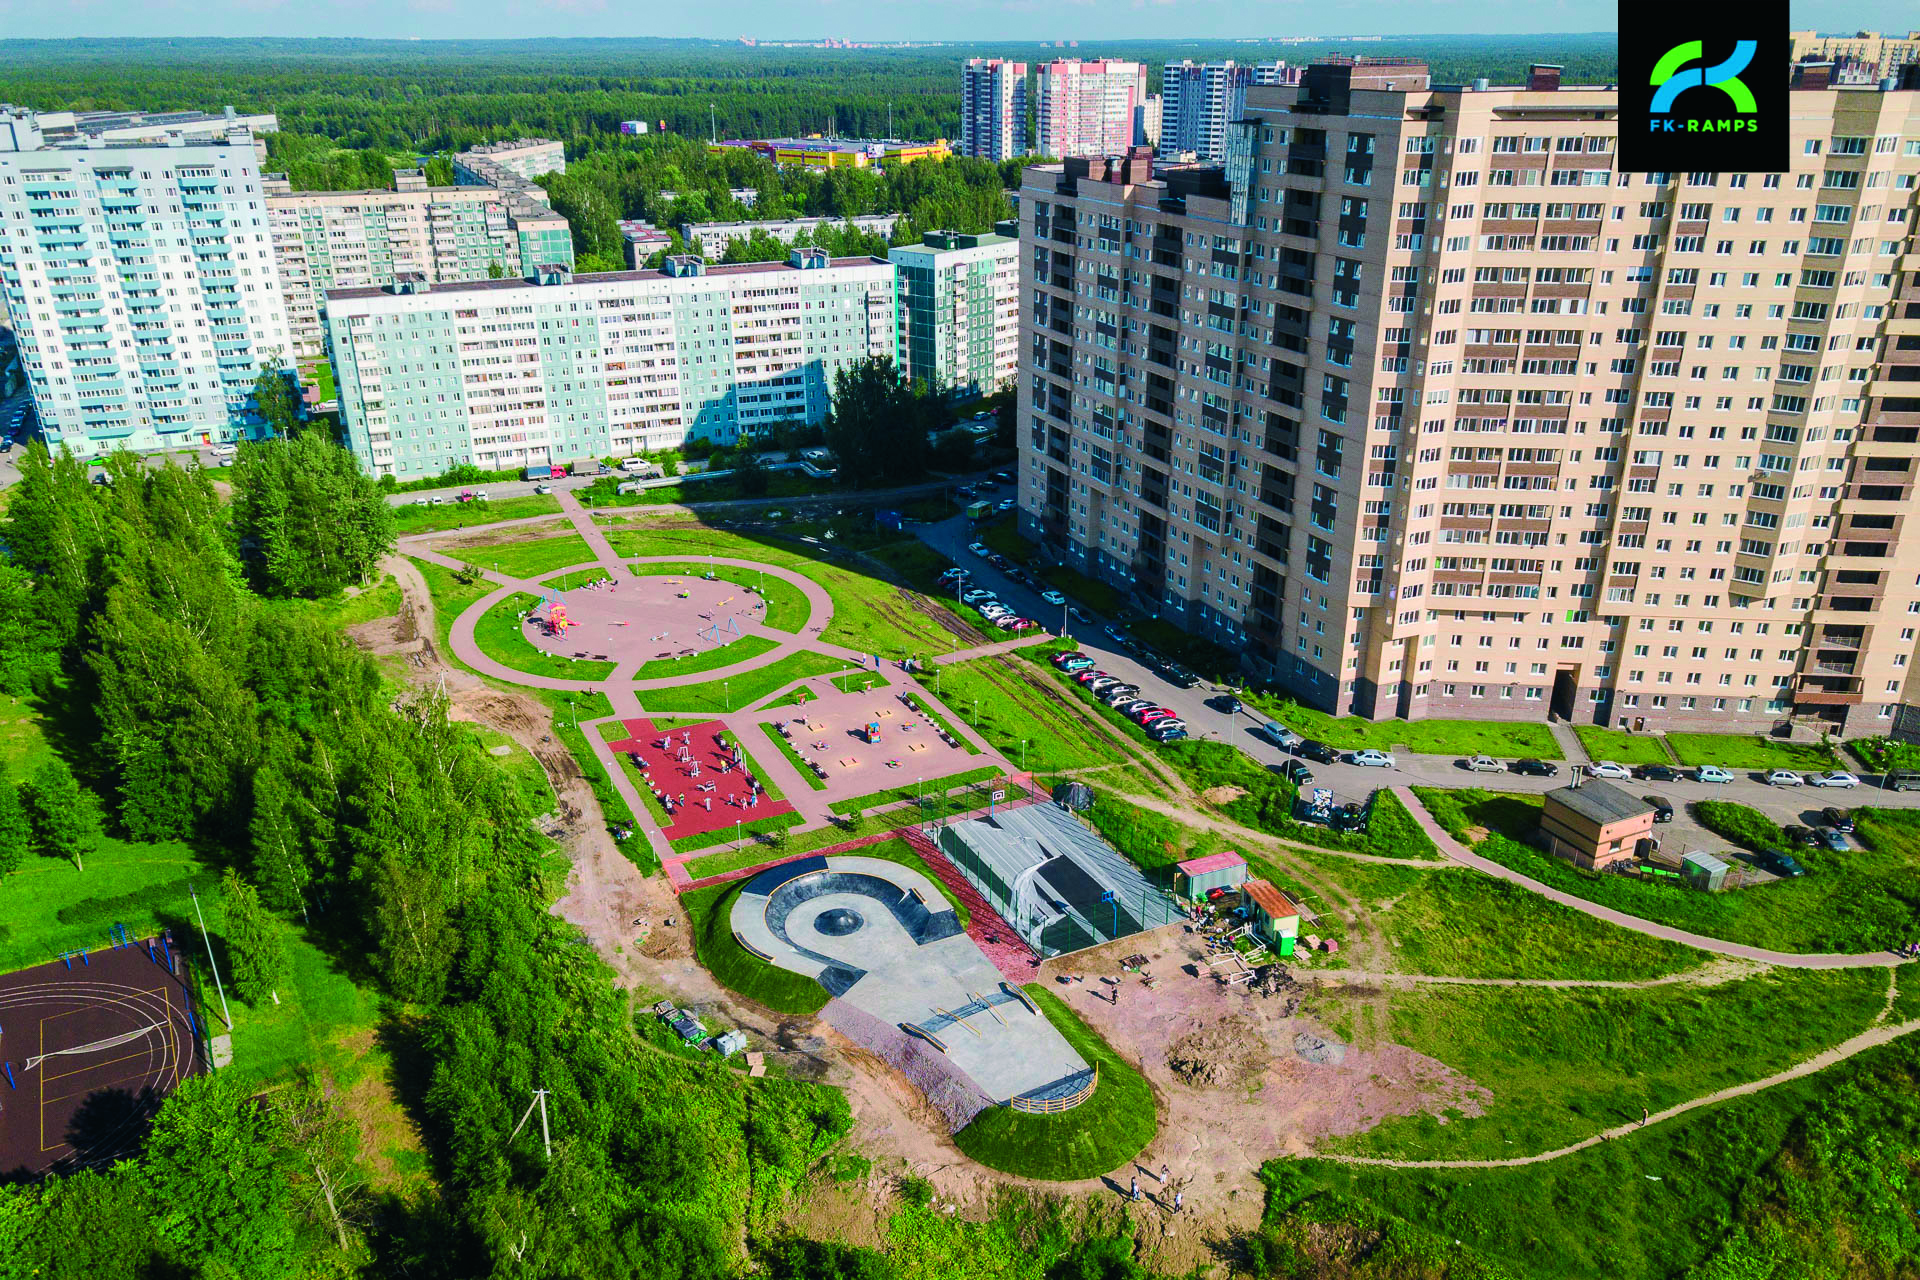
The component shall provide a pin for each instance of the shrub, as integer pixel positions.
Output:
(1742, 824)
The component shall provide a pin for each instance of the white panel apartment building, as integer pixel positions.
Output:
(1426, 409)
(140, 280)
(993, 109)
(1199, 99)
(511, 373)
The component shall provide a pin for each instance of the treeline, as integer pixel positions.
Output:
(407, 96)
(245, 727)
(633, 179)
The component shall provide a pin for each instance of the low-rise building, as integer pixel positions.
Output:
(643, 240)
(1201, 876)
(710, 239)
(817, 152)
(1274, 916)
(960, 310)
(1594, 824)
(504, 374)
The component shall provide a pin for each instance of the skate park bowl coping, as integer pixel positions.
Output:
(881, 937)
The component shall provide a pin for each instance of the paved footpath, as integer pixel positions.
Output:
(1785, 959)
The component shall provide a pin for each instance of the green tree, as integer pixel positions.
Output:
(255, 942)
(221, 1167)
(878, 426)
(309, 521)
(64, 821)
(16, 833)
(273, 400)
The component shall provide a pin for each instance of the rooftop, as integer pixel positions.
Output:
(1276, 904)
(603, 277)
(1600, 802)
(1212, 862)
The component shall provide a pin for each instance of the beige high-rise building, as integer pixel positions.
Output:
(1882, 55)
(1427, 410)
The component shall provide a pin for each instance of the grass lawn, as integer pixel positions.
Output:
(926, 708)
(1746, 751)
(320, 1007)
(709, 912)
(737, 692)
(1512, 738)
(1863, 900)
(787, 608)
(381, 600)
(798, 761)
(870, 614)
(520, 765)
(744, 649)
(746, 835)
(919, 565)
(48, 906)
(530, 558)
(1096, 1137)
(799, 696)
(501, 635)
(909, 790)
(413, 518)
(1562, 1064)
(858, 681)
(1621, 747)
(450, 599)
(1007, 708)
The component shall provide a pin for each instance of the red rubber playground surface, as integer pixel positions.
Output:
(714, 789)
(93, 1050)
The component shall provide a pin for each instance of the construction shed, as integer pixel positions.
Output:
(1272, 914)
(1201, 876)
(1594, 824)
(1704, 871)
(1055, 881)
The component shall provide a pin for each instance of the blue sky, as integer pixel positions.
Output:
(859, 19)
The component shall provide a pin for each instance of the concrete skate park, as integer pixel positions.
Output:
(881, 937)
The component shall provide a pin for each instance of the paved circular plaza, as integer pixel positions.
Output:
(641, 619)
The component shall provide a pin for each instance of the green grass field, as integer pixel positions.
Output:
(995, 697)
(1621, 747)
(410, 517)
(450, 599)
(1562, 1064)
(1506, 738)
(529, 558)
(870, 615)
(1096, 1137)
(745, 649)
(1745, 751)
(520, 765)
(1859, 901)
(798, 761)
(380, 600)
(502, 636)
(739, 692)
(972, 778)
(49, 906)
(733, 966)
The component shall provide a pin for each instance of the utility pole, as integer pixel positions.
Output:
(225, 1016)
(546, 1138)
(713, 125)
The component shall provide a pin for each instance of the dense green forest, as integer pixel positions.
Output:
(448, 95)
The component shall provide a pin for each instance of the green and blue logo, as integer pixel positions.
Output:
(1672, 76)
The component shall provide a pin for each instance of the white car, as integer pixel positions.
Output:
(224, 450)
(1053, 597)
(1609, 769)
(1485, 764)
(1785, 778)
(979, 549)
(1838, 778)
(1279, 735)
(1372, 758)
(543, 488)
(1712, 773)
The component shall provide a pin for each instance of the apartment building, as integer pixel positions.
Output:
(1427, 410)
(58, 128)
(1087, 108)
(511, 373)
(524, 158)
(140, 282)
(325, 240)
(1881, 55)
(993, 109)
(710, 239)
(1198, 99)
(959, 309)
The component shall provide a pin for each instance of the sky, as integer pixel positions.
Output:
(958, 20)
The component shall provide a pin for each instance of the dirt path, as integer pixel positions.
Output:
(1872, 1038)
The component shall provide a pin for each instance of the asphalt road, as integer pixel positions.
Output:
(812, 505)
(1197, 706)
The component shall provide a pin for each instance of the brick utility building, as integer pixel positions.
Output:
(1426, 410)
(1594, 824)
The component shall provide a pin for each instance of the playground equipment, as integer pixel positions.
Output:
(721, 633)
(557, 620)
(871, 733)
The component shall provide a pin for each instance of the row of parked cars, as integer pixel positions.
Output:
(1159, 723)
(986, 602)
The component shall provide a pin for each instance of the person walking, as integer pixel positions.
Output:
(1134, 1192)
(1178, 1197)
(1164, 1170)
(1643, 1117)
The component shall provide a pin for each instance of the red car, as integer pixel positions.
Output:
(1088, 677)
(1157, 714)
(1062, 659)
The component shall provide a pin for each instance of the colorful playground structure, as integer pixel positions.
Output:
(556, 621)
(872, 732)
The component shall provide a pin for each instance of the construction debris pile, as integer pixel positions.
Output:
(1318, 1049)
(1275, 980)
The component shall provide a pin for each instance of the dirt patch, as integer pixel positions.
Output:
(1318, 1049)
(1222, 795)
(1227, 1054)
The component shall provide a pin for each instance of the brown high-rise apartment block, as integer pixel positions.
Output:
(1426, 410)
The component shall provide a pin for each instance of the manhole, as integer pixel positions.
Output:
(838, 922)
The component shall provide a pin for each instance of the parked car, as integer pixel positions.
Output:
(979, 548)
(975, 595)
(1313, 749)
(1784, 778)
(1185, 679)
(1535, 768)
(1296, 773)
(1802, 837)
(1115, 633)
(1226, 702)
(1053, 597)
(1077, 664)
(1167, 733)
(1004, 477)
(1005, 504)
(1712, 773)
(1124, 693)
(1661, 806)
(1101, 685)
(1088, 677)
(1484, 764)
(1657, 773)
(1780, 863)
(1167, 722)
(1131, 705)
(1080, 615)
(1279, 735)
(1020, 625)
(1156, 715)
(997, 560)
(1838, 819)
(543, 488)
(1609, 769)
(1836, 778)
(1062, 659)
(1372, 758)
(1835, 840)
(1903, 780)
